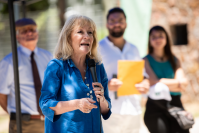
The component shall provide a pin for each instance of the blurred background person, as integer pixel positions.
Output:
(32, 64)
(68, 97)
(163, 67)
(126, 110)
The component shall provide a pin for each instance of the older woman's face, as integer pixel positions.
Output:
(82, 39)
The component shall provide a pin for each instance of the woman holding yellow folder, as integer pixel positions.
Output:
(164, 70)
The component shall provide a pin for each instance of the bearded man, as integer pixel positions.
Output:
(126, 110)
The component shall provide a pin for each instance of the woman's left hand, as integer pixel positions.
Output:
(99, 91)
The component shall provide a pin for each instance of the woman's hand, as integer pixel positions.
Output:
(86, 105)
(99, 91)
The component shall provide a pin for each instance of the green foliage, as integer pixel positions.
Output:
(41, 5)
(4, 9)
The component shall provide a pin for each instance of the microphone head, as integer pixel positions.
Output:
(91, 63)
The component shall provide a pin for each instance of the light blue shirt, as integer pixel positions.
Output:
(63, 82)
(26, 83)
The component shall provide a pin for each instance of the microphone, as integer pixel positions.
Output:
(115, 76)
(92, 66)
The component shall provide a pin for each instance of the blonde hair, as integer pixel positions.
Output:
(63, 48)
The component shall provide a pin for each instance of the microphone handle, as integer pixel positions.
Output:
(116, 95)
(94, 77)
(115, 76)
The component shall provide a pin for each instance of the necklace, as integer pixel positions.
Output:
(159, 58)
(162, 58)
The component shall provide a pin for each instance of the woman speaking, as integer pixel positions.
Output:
(69, 97)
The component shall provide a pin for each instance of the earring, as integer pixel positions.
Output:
(90, 52)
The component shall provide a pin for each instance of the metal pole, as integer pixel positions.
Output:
(16, 11)
(15, 65)
(24, 9)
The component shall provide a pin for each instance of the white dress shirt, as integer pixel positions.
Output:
(124, 105)
(26, 83)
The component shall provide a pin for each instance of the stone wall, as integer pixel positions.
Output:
(176, 12)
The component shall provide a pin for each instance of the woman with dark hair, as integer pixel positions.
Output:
(165, 73)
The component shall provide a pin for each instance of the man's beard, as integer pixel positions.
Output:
(116, 34)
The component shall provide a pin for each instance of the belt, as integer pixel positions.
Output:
(27, 117)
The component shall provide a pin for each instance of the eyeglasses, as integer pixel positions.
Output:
(25, 31)
(115, 22)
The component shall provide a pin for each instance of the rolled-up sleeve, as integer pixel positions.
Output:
(106, 92)
(50, 87)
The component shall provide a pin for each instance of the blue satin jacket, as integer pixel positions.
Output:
(63, 82)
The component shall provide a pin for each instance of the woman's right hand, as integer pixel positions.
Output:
(86, 105)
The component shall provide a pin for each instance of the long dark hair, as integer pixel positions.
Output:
(167, 48)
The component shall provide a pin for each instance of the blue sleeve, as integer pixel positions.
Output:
(104, 83)
(50, 87)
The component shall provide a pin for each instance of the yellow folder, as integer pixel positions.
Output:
(130, 73)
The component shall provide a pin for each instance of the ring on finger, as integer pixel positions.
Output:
(88, 111)
(102, 90)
